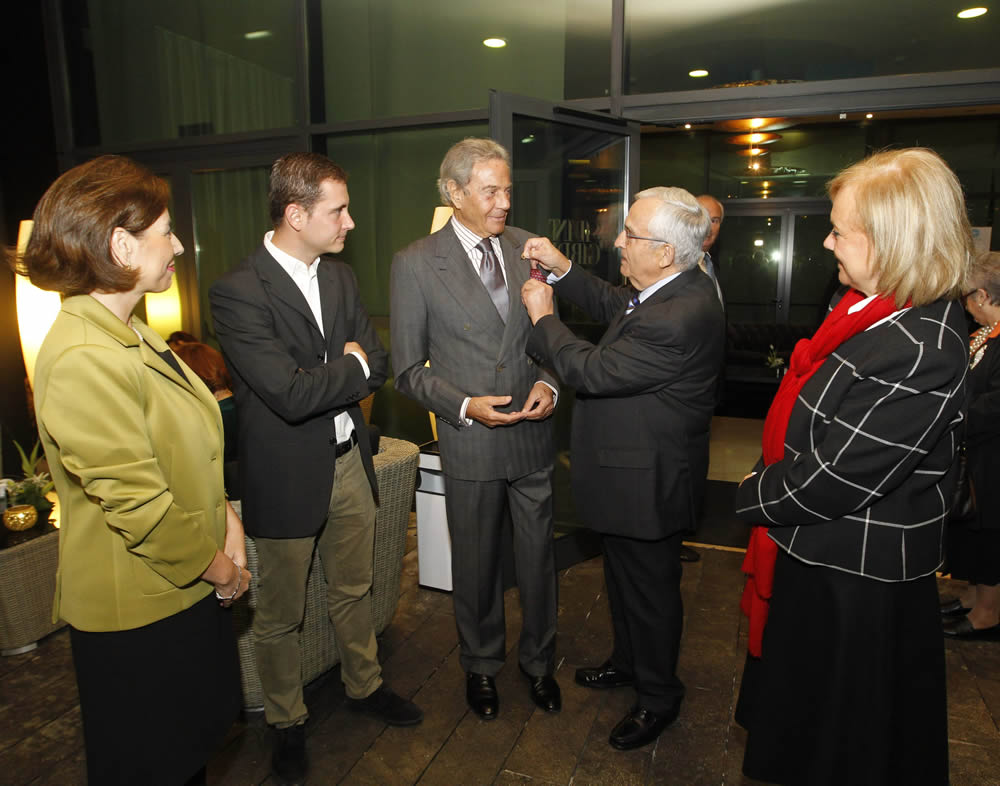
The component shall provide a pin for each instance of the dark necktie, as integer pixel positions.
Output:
(492, 276)
(632, 304)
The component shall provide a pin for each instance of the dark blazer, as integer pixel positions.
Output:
(869, 472)
(982, 436)
(645, 396)
(287, 397)
(442, 312)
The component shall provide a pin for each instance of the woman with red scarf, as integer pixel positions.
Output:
(845, 681)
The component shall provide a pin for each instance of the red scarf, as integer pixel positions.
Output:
(808, 356)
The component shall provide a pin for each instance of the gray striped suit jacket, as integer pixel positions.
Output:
(442, 312)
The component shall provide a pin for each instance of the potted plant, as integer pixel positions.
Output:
(31, 490)
(775, 361)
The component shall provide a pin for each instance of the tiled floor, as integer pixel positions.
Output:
(40, 740)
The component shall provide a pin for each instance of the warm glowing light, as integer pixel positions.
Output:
(495, 43)
(36, 309)
(971, 13)
(758, 242)
(687, 126)
(757, 122)
(163, 309)
(698, 73)
(766, 184)
(755, 165)
(869, 116)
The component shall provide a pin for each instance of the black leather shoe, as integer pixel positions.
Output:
(388, 707)
(545, 691)
(603, 676)
(481, 694)
(962, 629)
(640, 727)
(288, 762)
(954, 608)
(688, 554)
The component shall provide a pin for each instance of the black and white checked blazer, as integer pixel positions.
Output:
(868, 472)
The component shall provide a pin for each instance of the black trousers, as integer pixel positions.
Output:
(643, 578)
(477, 511)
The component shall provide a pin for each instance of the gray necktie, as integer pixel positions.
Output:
(492, 276)
(709, 268)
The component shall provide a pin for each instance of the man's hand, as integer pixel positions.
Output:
(537, 299)
(540, 402)
(480, 409)
(354, 346)
(546, 256)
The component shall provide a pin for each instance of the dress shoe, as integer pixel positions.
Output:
(603, 676)
(953, 608)
(288, 762)
(640, 727)
(388, 707)
(961, 628)
(545, 691)
(481, 694)
(688, 554)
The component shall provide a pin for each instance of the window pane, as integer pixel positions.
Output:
(399, 57)
(771, 41)
(230, 219)
(154, 71)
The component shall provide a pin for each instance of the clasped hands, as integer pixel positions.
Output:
(536, 295)
(537, 406)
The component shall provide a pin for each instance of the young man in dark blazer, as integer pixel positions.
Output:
(455, 302)
(303, 353)
(645, 395)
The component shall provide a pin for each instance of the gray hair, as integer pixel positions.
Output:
(462, 158)
(680, 221)
(985, 274)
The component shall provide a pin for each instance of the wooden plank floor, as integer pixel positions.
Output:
(41, 743)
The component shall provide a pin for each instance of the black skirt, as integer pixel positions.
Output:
(974, 553)
(156, 701)
(850, 688)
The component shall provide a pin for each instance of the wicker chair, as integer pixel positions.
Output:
(28, 573)
(396, 470)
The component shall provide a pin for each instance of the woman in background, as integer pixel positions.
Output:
(149, 550)
(846, 683)
(974, 543)
(210, 367)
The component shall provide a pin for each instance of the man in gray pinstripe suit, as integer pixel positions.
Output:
(456, 303)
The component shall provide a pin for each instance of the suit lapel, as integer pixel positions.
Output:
(664, 293)
(280, 285)
(329, 297)
(459, 278)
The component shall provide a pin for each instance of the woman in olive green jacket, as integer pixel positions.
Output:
(150, 552)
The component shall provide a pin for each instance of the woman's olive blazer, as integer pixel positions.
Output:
(136, 454)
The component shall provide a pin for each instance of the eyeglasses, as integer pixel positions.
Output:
(965, 295)
(630, 236)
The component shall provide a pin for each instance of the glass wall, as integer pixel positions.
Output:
(142, 72)
(410, 58)
(694, 44)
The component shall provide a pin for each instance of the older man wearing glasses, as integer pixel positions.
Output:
(645, 395)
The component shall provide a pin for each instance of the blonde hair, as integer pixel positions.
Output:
(910, 206)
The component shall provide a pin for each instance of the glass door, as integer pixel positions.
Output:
(574, 173)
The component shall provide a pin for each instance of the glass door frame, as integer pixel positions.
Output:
(786, 210)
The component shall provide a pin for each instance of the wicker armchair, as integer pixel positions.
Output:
(27, 586)
(396, 470)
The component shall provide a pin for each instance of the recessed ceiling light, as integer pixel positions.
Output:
(687, 125)
(757, 122)
(758, 242)
(971, 13)
(698, 72)
(869, 116)
(257, 34)
(528, 139)
(495, 43)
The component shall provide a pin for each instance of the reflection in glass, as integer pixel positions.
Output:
(814, 271)
(400, 57)
(230, 220)
(185, 68)
(748, 255)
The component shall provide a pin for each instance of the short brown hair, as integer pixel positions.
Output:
(207, 363)
(297, 178)
(911, 207)
(70, 246)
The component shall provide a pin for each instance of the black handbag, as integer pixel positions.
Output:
(963, 502)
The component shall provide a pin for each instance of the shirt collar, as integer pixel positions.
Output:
(295, 268)
(654, 288)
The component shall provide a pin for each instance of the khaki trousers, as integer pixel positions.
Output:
(346, 544)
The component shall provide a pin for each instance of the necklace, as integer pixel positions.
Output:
(977, 342)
